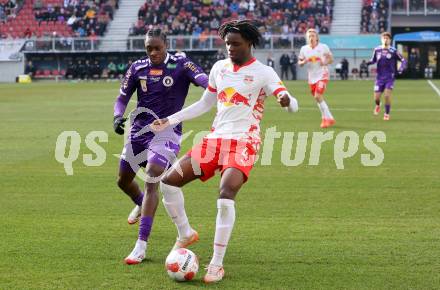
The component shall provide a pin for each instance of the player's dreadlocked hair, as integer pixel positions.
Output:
(156, 32)
(247, 29)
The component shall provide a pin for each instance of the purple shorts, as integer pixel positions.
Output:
(381, 85)
(160, 151)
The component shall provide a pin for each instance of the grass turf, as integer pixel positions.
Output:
(302, 227)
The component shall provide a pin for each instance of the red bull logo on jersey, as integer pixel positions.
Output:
(230, 96)
(314, 59)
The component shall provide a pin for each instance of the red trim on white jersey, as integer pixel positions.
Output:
(277, 91)
(236, 67)
(211, 89)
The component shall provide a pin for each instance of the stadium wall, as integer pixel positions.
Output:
(10, 69)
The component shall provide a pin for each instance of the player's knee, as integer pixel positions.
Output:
(169, 179)
(318, 98)
(228, 192)
(122, 182)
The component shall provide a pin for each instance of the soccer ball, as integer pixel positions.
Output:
(182, 264)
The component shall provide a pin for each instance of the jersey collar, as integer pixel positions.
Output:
(167, 58)
(236, 67)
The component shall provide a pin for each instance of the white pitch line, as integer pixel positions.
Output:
(363, 110)
(434, 87)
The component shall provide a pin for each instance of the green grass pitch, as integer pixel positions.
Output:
(302, 227)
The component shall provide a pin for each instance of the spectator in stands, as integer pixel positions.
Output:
(38, 4)
(374, 16)
(27, 33)
(96, 70)
(112, 71)
(293, 62)
(88, 70)
(270, 61)
(363, 69)
(285, 64)
(344, 69)
(219, 55)
(121, 68)
(2, 13)
(413, 63)
(183, 17)
(81, 69)
(71, 71)
(30, 69)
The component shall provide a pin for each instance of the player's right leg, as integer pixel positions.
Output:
(149, 207)
(180, 174)
(387, 95)
(127, 184)
(231, 182)
(379, 87)
(318, 90)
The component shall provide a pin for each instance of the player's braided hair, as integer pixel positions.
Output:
(247, 29)
(157, 32)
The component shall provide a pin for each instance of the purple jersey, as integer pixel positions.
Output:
(386, 59)
(161, 89)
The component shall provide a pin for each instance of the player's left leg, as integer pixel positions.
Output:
(387, 94)
(327, 118)
(231, 182)
(149, 207)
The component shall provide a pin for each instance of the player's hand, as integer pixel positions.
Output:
(323, 60)
(283, 100)
(159, 124)
(302, 61)
(119, 124)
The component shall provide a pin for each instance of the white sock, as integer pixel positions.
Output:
(223, 229)
(325, 111)
(174, 204)
(139, 249)
(141, 245)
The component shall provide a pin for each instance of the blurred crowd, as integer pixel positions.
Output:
(374, 17)
(201, 18)
(86, 18)
(8, 9)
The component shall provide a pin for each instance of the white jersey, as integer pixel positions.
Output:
(241, 92)
(314, 57)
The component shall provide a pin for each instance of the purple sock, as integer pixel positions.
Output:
(138, 199)
(387, 109)
(145, 227)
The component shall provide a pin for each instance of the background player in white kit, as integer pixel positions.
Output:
(317, 56)
(239, 86)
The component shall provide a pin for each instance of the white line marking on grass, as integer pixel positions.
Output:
(434, 87)
(363, 110)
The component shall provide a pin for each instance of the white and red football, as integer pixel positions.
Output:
(182, 265)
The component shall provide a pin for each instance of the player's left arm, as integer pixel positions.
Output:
(276, 87)
(195, 74)
(328, 56)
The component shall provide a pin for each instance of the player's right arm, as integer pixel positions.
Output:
(373, 59)
(275, 86)
(127, 89)
(206, 102)
(302, 60)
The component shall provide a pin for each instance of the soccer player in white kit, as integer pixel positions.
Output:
(317, 56)
(239, 86)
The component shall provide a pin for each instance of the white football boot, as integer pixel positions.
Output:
(134, 215)
(138, 254)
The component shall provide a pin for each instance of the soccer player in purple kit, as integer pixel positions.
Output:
(387, 58)
(162, 82)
